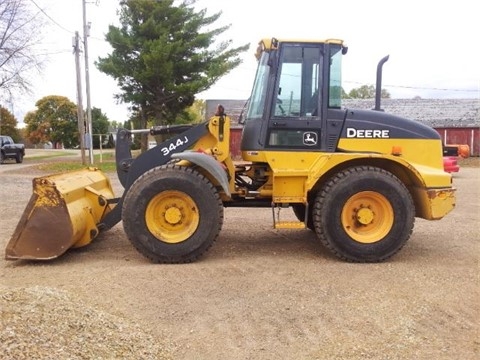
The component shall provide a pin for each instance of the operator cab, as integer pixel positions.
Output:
(296, 89)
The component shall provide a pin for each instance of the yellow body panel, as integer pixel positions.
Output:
(420, 169)
(217, 141)
(423, 155)
(217, 144)
(434, 204)
(289, 186)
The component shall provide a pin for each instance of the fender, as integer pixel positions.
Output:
(207, 162)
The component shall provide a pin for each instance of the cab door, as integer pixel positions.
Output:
(294, 120)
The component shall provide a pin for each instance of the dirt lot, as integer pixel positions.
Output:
(258, 293)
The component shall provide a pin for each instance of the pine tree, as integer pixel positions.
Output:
(162, 56)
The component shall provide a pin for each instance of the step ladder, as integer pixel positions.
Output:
(279, 224)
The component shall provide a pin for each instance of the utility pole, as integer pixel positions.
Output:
(81, 120)
(86, 30)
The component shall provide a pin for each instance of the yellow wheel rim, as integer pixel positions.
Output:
(367, 217)
(172, 216)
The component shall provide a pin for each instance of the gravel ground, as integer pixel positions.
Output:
(258, 293)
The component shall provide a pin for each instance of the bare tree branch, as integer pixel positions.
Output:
(19, 35)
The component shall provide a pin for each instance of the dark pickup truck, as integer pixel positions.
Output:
(10, 150)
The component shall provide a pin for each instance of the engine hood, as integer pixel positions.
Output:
(378, 124)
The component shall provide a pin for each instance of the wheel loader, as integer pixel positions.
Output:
(357, 178)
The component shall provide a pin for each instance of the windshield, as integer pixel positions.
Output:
(259, 91)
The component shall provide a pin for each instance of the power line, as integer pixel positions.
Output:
(54, 53)
(249, 69)
(50, 18)
(415, 87)
(430, 88)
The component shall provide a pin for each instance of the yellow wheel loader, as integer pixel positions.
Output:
(357, 178)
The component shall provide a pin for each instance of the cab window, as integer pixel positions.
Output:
(335, 85)
(298, 82)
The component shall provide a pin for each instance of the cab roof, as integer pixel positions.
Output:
(271, 43)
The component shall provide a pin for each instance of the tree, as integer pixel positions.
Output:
(197, 111)
(8, 124)
(99, 126)
(54, 120)
(162, 57)
(19, 34)
(114, 124)
(36, 132)
(366, 92)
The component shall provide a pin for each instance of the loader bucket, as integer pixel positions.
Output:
(63, 212)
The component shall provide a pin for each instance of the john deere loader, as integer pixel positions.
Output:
(357, 178)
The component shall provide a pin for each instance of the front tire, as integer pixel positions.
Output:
(364, 214)
(172, 214)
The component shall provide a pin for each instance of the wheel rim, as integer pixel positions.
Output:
(172, 216)
(367, 217)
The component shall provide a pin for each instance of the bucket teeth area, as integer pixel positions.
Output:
(63, 212)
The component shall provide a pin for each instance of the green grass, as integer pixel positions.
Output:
(72, 166)
(28, 159)
(54, 166)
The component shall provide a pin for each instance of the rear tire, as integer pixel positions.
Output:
(172, 214)
(364, 214)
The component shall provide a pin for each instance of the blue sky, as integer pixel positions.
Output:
(433, 47)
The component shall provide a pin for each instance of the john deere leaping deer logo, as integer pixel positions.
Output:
(310, 138)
